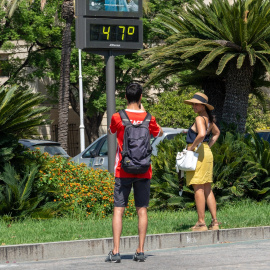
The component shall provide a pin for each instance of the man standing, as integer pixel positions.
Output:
(125, 181)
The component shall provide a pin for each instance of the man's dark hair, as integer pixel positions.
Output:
(133, 92)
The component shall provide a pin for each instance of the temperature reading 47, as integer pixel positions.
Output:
(119, 33)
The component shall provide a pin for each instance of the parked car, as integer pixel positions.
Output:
(264, 134)
(96, 154)
(51, 147)
(168, 133)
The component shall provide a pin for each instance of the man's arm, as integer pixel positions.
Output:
(160, 131)
(113, 126)
(109, 131)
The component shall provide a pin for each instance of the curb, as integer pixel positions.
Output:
(81, 248)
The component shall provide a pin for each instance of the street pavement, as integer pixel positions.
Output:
(248, 255)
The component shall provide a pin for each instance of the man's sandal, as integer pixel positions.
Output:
(214, 225)
(199, 227)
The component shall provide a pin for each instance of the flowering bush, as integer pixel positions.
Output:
(78, 186)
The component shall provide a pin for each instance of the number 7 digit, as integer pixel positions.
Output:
(123, 32)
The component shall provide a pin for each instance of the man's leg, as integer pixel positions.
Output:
(122, 188)
(141, 189)
(142, 227)
(117, 227)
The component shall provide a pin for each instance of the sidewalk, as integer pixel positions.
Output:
(90, 247)
(248, 255)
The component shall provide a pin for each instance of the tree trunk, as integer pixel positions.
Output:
(92, 123)
(214, 88)
(238, 86)
(68, 15)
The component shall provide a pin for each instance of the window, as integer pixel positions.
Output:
(104, 149)
(87, 153)
(170, 136)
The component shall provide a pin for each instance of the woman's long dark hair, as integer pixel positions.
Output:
(211, 118)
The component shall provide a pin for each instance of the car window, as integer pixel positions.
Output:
(104, 149)
(87, 153)
(152, 139)
(264, 135)
(51, 149)
(170, 136)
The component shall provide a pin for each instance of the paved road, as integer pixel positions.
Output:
(250, 255)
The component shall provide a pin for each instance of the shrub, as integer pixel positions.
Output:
(259, 167)
(241, 170)
(15, 192)
(231, 168)
(83, 189)
(165, 181)
(20, 198)
(171, 111)
(8, 143)
(257, 117)
(241, 167)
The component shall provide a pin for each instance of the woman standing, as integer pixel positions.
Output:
(201, 179)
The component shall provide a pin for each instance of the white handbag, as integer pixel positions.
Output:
(186, 160)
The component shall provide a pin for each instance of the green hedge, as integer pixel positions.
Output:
(241, 170)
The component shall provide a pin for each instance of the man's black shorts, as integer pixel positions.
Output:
(122, 188)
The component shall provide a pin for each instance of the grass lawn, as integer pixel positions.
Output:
(232, 215)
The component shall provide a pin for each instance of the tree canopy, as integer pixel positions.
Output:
(219, 41)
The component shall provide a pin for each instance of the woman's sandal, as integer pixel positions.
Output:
(214, 225)
(199, 227)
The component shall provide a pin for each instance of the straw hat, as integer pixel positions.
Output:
(199, 98)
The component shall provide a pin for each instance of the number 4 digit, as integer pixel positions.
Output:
(108, 32)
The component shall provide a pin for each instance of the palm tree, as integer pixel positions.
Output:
(20, 111)
(219, 41)
(63, 95)
(64, 87)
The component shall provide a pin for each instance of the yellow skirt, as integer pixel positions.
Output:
(204, 170)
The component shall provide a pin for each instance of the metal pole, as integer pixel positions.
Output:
(110, 90)
(82, 128)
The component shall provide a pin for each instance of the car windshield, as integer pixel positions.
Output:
(51, 149)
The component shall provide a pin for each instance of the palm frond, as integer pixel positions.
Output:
(252, 56)
(240, 60)
(211, 56)
(223, 62)
(264, 61)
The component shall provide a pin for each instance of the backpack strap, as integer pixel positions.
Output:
(146, 120)
(125, 119)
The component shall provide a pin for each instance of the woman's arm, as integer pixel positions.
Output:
(215, 131)
(201, 130)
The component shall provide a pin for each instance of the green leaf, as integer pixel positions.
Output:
(240, 60)
(252, 56)
(264, 61)
(223, 62)
(194, 50)
(211, 56)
